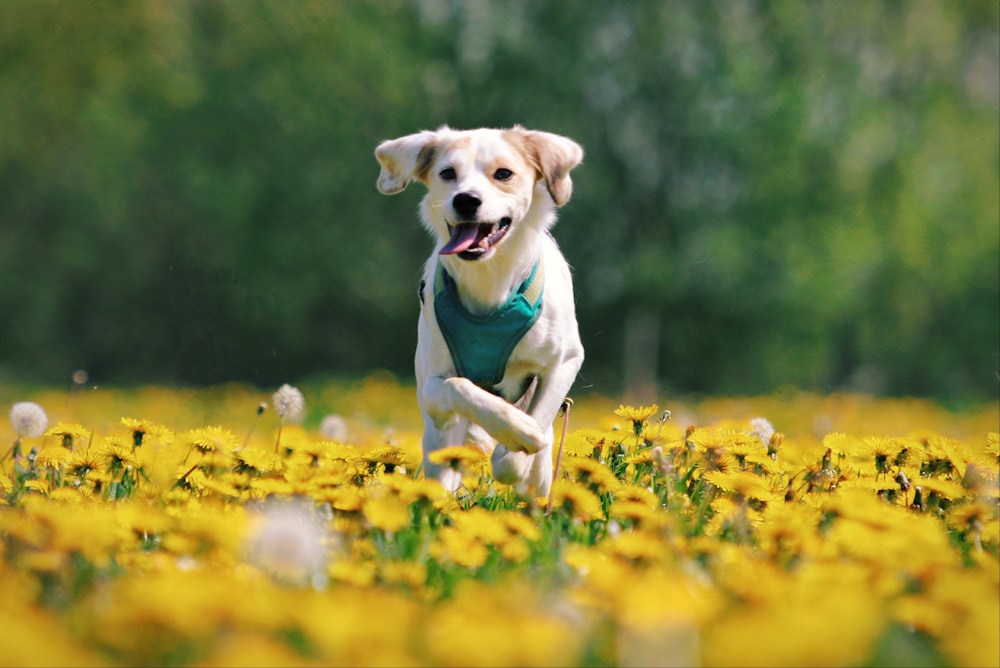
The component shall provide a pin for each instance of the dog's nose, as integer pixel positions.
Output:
(466, 205)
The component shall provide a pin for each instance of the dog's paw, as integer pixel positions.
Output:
(509, 467)
(450, 479)
(522, 433)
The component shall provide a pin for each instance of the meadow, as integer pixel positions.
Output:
(231, 526)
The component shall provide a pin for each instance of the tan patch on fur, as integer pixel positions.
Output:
(549, 158)
(522, 168)
(460, 144)
(425, 159)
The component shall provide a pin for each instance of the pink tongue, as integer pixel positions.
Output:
(463, 235)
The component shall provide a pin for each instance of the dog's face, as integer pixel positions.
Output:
(482, 184)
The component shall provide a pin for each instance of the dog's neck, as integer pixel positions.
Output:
(485, 286)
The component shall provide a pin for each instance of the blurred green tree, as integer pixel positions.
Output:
(774, 194)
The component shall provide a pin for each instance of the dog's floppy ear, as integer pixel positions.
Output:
(405, 159)
(553, 156)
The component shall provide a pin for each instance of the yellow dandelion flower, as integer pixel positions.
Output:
(637, 493)
(254, 460)
(943, 456)
(581, 443)
(413, 574)
(635, 511)
(359, 574)
(53, 458)
(347, 499)
(264, 487)
(515, 549)
(69, 435)
(40, 486)
(459, 547)
(387, 512)
(636, 413)
(141, 428)
(83, 462)
(458, 636)
(993, 444)
(731, 519)
(427, 491)
(592, 473)
(846, 446)
(455, 456)
(341, 451)
(883, 451)
(923, 614)
(482, 524)
(641, 456)
(761, 463)
(711, 438)
(65, 495)
(742, 484)
(212, 439)
(742, 444)
(576, 500)
(213, 461)
(219, 486)
(116, 456)
(945, 489)
(389, 455)
(519, 525)
(971, 516)
(639, 547)
(788, 531)
(46, 561)
(312, 454)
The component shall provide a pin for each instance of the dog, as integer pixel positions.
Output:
(498, 345)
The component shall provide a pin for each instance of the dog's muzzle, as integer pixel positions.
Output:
(471, 240)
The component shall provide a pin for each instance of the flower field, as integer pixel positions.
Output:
(233, 527)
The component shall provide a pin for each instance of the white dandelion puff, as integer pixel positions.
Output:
(289, 403)
(290, 543)
(763, 428)
(28, 419)
(334, 428)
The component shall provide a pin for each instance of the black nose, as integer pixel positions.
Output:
(466, 205)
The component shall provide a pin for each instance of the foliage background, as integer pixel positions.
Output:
(775, 193)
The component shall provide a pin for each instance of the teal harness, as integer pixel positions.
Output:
(481, 345)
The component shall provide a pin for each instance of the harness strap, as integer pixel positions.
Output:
(480, 346)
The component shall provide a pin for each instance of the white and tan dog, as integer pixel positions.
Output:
(498, 345)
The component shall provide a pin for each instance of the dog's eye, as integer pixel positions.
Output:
(447, 174)
(503, 174)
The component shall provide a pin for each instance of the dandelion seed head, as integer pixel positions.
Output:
(28, 419)
(763, 428)
(289, 542)
(289, 403)
(334, 428)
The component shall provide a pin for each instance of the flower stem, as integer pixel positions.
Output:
(562, 441)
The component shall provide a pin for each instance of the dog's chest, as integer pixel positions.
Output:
(481, 345)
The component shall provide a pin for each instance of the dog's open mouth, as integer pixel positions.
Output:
(471, 240)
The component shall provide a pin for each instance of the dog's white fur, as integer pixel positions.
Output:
(516, 427)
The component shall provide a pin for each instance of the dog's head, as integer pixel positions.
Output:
(482, 185)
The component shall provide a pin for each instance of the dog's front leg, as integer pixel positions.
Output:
(442, 399)
(536, 469)
(440, 431)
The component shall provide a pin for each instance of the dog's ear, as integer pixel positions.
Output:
(405, 159)
(553, 156)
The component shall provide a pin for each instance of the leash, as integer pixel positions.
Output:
(567, 402)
